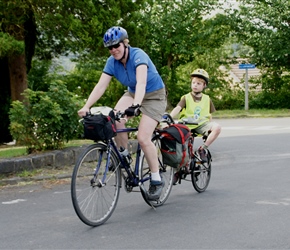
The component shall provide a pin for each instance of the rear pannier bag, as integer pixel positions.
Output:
(99, 127)
(175, 145)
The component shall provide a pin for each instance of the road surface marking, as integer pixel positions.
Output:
(12, 202)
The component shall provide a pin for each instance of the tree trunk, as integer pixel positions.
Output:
(4, 101)
(18, 76)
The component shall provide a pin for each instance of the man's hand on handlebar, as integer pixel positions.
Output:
(83, 112)
(134, 110)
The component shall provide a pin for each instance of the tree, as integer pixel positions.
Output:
(15, 17)
(4, 102)
(265, 26)
(180, 32)
(56, 27)
(49, 28)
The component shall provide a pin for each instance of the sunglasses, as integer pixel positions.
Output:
(114, 46)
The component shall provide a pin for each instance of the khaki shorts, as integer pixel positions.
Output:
(204, 128)
(153, 104)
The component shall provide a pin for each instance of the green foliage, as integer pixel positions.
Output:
(80, 24)
(229, 99)
(9, 45)
(182, 33)
(276, 93)
(45, 120)
(61, 27)
(84, 78)
(264, 26)
(183, 37)
(179, 36)
(39, 77)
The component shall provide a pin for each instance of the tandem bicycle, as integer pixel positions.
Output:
(101, 170)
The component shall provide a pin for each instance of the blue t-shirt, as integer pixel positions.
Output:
(127, 76)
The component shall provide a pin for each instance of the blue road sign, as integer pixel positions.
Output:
(247, 66)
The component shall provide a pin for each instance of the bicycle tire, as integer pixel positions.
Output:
(95, 202)
(200, 174)
(165, 171)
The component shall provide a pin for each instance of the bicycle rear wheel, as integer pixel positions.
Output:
(95, 191)
(200, 174)
(165, 171)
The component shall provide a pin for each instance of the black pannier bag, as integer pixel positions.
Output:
(99, 126)
(176, 143)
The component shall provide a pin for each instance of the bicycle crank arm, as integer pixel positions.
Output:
(143, 190)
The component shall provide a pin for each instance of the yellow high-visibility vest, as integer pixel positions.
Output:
(199, 111)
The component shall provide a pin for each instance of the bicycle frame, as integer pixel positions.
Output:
(134, 178)
(98, 173)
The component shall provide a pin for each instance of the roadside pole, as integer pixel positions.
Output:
(246, 91)
(246, 66)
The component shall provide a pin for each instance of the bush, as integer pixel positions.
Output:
(275, 94)
(45, 120)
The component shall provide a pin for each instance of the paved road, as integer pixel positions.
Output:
(246, 205)
(254, 126)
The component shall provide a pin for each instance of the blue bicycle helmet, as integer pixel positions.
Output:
(114, 35)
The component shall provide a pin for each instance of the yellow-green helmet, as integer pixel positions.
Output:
(201, 73)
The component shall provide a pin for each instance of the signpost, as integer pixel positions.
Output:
(246, 66)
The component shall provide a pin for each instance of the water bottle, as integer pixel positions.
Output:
(126, 155)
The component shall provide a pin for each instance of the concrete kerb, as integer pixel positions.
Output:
(55, 159)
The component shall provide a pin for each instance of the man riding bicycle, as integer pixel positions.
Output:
(133, 68)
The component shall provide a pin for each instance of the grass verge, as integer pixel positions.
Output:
(16, 151)
(251, 113)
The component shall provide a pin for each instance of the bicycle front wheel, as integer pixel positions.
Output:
(165, 171)
(200, 174)
(95, 191)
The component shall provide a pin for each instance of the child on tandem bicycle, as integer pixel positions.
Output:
(199, 106)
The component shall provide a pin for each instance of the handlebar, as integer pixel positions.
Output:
(189, 120)
(87, 114)
(167, 118)
(120, 115)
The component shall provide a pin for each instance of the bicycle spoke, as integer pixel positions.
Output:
(200, 175)
(94, 202)
(166, 173)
